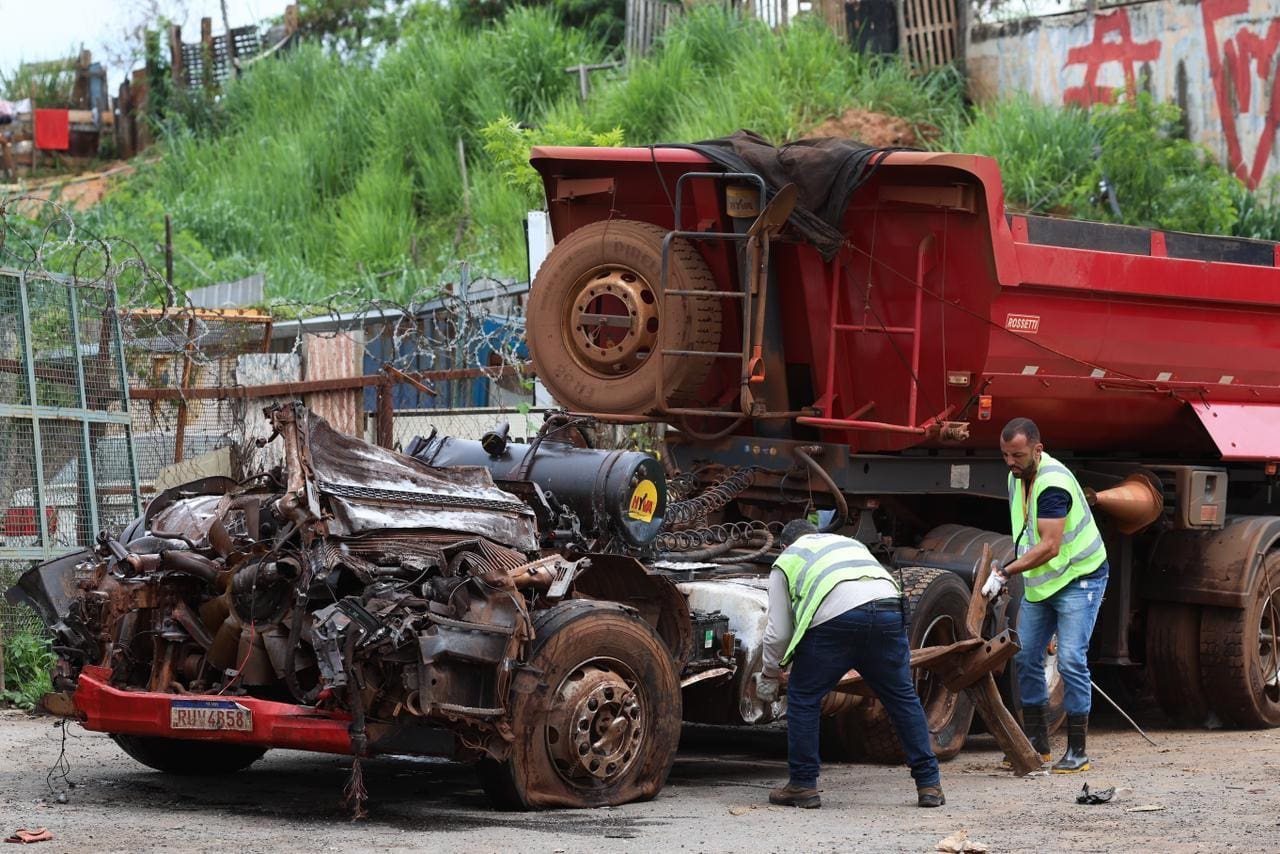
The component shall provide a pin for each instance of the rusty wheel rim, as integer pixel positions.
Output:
(1269, 645)
(935, 697)
(595, 725)
(612, 322)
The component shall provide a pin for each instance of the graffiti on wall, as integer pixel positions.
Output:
(1244, 64)
(1112, 42)
(1219, 59)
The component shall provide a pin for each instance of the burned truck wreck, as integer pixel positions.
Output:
(360, 601)
(529, 607)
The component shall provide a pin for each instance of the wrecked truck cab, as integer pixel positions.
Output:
(361, 601)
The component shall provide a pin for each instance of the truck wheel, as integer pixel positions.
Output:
(602, 727)
(966, 542)
(189, 758)
(1240, 653)
(1173, 661)
(937, 601)
(595, 318)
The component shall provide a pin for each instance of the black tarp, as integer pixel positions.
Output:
(826, 173)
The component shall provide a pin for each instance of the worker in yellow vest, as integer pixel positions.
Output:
(1060, 556)
(833, 608)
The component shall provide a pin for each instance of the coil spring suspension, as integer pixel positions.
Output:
(710, 500)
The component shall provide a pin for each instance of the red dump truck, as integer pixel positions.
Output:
(823, 327)
(863, 348)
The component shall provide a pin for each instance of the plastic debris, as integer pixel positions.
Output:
(1101, 796)
(1146, 808)
(24, 836)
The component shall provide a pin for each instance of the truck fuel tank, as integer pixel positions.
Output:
(618, 492)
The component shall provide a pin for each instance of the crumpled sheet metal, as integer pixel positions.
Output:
(347, 465)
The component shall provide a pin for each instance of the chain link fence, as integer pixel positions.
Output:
(82, 457)
(65, 431)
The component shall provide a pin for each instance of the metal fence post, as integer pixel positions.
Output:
(86, 478)
(28, 353)
(386, 413)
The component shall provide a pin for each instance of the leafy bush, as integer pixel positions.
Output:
(508, 144)
(1159, 178)
(28, 661)
(1258, 212)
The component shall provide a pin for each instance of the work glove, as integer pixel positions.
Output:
(995, 582)
(766, 688)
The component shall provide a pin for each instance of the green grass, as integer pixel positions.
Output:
(1043, 150)
(343, 177)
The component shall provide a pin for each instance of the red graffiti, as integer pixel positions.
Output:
(1112, 42)
(1243, 56)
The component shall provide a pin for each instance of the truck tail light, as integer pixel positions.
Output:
(984, 407)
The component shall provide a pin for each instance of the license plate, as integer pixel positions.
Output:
(215, 715)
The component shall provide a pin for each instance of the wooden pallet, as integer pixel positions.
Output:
(929, 32)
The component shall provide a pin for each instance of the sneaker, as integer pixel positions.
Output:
(795, 796)
(930, 796)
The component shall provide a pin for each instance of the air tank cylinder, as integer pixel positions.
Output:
(621, 492)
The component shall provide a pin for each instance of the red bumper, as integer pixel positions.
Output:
(107, 709)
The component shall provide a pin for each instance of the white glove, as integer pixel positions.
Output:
(766, 688)
(995, 582)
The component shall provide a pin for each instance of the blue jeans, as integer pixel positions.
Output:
(873, 641)
(1071, 612)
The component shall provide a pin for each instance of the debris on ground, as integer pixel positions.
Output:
(1101, 796)
(24, 836)
(875, 129)
(960, 842)
(1146, 808)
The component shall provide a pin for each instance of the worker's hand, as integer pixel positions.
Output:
(766, 688)
(995, 582)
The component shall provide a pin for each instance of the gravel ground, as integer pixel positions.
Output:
(1199, 791)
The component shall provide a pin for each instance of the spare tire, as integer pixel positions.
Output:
(596, 317)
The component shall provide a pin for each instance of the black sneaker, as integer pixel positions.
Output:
(930, 796)
(795, 796)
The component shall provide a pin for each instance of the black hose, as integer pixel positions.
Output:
(359, 736)
(700, 554)
(842, 507)
(189, 563)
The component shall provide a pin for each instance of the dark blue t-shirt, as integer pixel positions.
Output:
(1054, 503)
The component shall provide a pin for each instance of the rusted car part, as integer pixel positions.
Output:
(359, 601)
(968, 665)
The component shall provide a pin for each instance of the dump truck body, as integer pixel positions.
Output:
(870, 374)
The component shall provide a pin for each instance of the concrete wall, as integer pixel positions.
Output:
(1216, 58)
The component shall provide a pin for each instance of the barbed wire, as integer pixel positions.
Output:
(474, 322)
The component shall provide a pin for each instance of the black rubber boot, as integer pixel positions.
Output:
(1035, 723)
(1076, 759)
